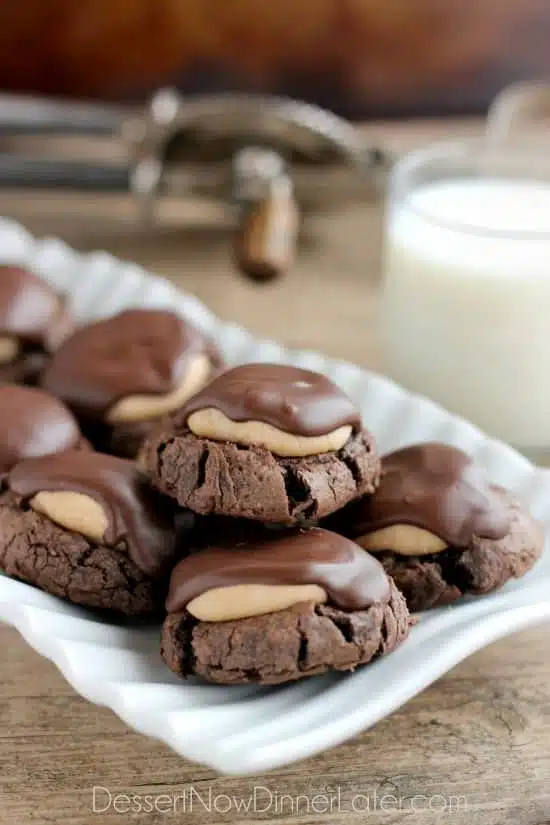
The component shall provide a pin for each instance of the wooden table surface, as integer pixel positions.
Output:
(473, 748)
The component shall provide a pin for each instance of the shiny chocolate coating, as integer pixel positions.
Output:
(33, 424)
(294, 400)
(352, 579)
(437, 488)
(30, 310)
(137, 351)
(137, 518)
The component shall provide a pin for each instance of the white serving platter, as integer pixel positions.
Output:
(238, 730)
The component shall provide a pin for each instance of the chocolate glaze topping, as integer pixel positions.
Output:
(33, 424)
(437, 488)
(294, 400)
(29, 309)
(352, 579)
(137, 518)
(137, 351)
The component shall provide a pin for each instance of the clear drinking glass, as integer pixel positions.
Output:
(465, 305)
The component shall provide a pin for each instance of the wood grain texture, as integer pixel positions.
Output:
(360, 56)
(476, 742)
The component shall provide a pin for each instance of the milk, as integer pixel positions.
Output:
(466, 302)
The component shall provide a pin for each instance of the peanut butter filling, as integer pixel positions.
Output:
(241, 601)
(214, 424)
(146, 407)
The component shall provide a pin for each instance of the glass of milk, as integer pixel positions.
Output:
(465, 308)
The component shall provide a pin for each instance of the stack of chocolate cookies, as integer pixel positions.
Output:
(77, 516)
(263, 453)
(248, 507)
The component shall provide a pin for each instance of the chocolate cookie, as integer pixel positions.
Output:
(122, 374)
(266, 442)
(87, 527)
(440, 529)
(280, 610)
(33, 322)
(208, 531)
(33, 424)
(66, 564)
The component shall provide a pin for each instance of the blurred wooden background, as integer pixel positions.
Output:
(360, 57)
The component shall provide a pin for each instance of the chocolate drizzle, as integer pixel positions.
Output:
(437, 488)
(33, 424)
(294, 400)
(138, 519)
(136, 351)
(352, 579)
(30, 310)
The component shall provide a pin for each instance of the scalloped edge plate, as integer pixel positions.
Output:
(239, 730)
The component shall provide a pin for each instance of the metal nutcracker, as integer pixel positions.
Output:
(270, 161)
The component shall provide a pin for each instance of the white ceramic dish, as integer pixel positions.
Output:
(247, 730)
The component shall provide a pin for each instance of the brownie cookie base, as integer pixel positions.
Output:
(65, 564)
(122, 440)
(442, 578)
(216, 477)
(25, 369)
(201, 532)
(125, 440)
(301, 641)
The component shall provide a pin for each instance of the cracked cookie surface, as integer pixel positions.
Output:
(303, 640)
(35, 550)
(215, 477)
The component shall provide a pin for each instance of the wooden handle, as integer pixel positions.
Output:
(266, 239)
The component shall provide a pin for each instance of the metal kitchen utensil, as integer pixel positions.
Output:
(270, 160)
